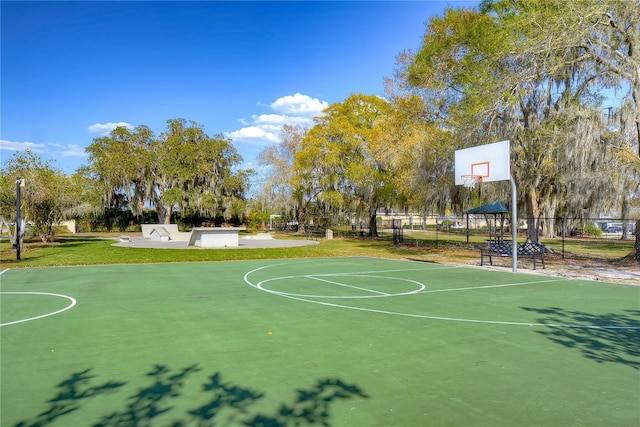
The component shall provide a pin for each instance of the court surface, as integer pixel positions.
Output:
(338, 342)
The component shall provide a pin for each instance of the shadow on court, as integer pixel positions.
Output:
(225, 403)
(617, 341)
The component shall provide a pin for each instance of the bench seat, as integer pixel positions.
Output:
(504, 249)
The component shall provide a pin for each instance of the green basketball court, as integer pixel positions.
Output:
(339, 342)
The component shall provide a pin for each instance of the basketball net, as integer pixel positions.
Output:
(470, 181)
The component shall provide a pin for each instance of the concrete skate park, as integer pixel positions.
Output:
(167, 236)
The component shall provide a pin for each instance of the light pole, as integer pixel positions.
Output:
(19, 184)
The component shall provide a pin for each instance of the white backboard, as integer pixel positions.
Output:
(490, 161)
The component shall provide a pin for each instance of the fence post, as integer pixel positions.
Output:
(467, 228)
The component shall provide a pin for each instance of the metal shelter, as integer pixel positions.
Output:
(495, 209)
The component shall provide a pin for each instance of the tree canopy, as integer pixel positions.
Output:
(533, 73)
(182, 169)
(345, 158)
(48, 196)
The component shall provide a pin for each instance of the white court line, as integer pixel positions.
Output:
(347, 286)
(3, 271)
(455, 319)
(347, 273)
(471, 288)
(424, 316)
(73, 302)
(260, 286)
(397, 270)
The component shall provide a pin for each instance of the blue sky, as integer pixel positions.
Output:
(72, 70)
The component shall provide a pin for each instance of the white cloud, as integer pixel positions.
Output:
(21, 146)
(265, 129)
(280, 119)
(69, 150)
(299, 105)
(251, 165)
(254, 135)
(104, 128)
(47, 151)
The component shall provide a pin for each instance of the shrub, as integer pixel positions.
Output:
(592, 230)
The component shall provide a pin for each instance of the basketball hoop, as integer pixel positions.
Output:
(470, 181)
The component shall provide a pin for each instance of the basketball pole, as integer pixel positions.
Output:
(514, 224)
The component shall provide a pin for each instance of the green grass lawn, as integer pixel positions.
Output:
(439, 247)
(88, 250)
(604, 248)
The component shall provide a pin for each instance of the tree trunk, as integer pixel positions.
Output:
(549, 211)
(167, 218)
(625, 213)
(373, 223)
(301, 217)
(635, 94)
(51, 232)
(162, 214)
(549, 223)
(549, 227)
(533, 212)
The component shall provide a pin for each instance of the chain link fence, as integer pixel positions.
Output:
(595, 238)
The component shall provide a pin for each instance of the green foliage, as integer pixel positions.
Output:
(173, 196)
(257, 220)
(181, 169)
(111, 219)
(341, 158)
(48, 196)
(592, 230)
(531, 72)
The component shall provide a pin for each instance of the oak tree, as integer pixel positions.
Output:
(47, 198)
(344, 158)
(182, 169)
